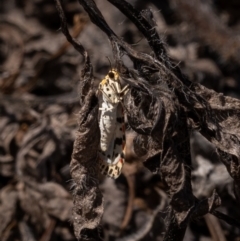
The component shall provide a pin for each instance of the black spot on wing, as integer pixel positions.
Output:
(120, 119)
(118, 141)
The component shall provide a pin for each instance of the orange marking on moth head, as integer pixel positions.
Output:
(116, 76)
(104, 81)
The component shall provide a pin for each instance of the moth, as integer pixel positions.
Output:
(111, 123)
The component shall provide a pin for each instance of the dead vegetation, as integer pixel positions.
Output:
(186, 134)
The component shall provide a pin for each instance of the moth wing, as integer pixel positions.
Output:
(107, 122)
(119, 142)
(112, 171)
(116, 146)
(109, 90)
(111, 153)
(113, 160)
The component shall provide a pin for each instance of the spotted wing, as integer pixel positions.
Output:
(111, 161)
(107, 125)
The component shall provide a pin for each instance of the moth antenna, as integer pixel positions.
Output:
(109, 62)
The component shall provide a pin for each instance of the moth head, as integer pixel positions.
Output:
(113, 74)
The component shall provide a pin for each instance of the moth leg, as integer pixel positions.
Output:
(118, 91)
(125, 89)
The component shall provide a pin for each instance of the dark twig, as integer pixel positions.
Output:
(87, 198)
(65, 31)
(96, 16)
(87, 72)
(226, 218)
(214, 228)
(143, 22)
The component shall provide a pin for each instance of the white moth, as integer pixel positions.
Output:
(111, 123)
